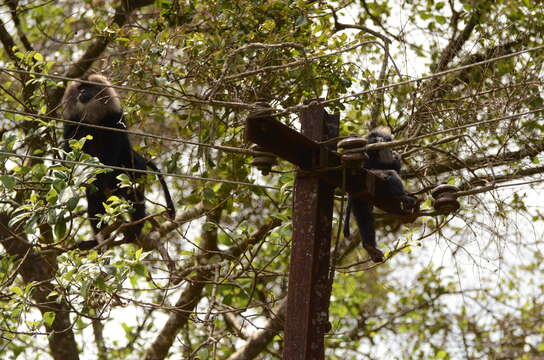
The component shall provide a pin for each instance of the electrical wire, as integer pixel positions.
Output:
(376, 146)
(397, 143)
(101, 166)
(142, 134)
(297, 108)
(291, 109)
(286, 111)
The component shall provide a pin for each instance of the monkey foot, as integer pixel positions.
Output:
(410, 204)
(375, 254)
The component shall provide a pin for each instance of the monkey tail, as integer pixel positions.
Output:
(347, 218)
(169, 202)
(85, 245)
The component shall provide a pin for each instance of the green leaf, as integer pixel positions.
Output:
(72, 203)
(16, 290)
(8, 181)
(60, 228)
(140, 269)
(52, 196)
(48, 318)
(138, 254)
(100, 283)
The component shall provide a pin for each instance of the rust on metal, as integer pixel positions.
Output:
(319, 174)
(306, 153)
(308, 296)
(280, 139)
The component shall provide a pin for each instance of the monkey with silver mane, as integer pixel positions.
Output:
(386, 164)
(98, 104)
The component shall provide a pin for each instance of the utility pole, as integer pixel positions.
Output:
(309, 288)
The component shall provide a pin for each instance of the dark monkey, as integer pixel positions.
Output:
(386, 163)
(100, 105)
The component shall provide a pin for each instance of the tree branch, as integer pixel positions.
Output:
(81, 66)
(378, 102)
(260, 339)
(477, 162)
(188, 299)
(455, 45)
(40, 268)
(15, 17)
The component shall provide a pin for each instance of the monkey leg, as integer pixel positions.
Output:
(347, 218)
(137, 197)
(95, 206)
(409, 203)
(362, 210)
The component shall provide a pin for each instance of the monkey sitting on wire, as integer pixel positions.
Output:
(386, 164)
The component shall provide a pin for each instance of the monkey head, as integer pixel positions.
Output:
(90, 103)
(379, 134)
(383, 157)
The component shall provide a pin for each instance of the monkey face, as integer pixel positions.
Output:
(86, 93)
(378, 138)
(90, 92)
(378, 135)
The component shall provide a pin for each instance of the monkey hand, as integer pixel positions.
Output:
(409, 204)
(375, 254)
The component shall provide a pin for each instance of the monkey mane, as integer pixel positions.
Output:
(382, 131)
(95, 110)
(70, 101)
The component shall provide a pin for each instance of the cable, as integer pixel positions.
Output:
(377, 146)
(492, 187)
(101, 166)
(396, 143)
(237, 150)
(165, 138)
(291, 109)
(129, 88)
(297, 108)
(229, 149)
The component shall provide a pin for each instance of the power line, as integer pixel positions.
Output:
(406, 82)
(492, 187)
(101, 166)
(129, 88)
(198, 178)
(408, 141)
(234, 182)
(377, 146)
(291, 109)
(230, 149)
(194, 100)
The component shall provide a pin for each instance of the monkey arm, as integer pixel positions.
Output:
(396, 165)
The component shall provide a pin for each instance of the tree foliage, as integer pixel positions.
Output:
(461, 80)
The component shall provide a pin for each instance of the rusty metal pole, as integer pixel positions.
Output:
(309, 286)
